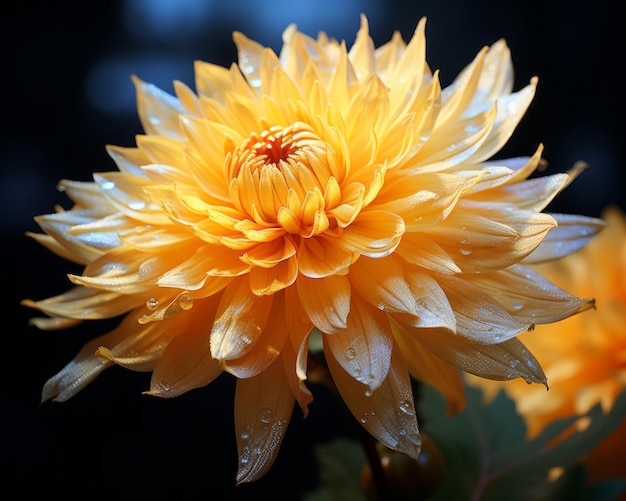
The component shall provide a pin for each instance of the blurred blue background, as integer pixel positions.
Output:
(66, 93)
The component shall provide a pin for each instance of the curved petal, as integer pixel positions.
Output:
(425, 366)
(263, 407)
(502, 362)
(363, 348)
(571, 234)
(322, 256)
(87, 365)
(263, 351)
(529, 296)
(326, 301)
(158, 110)
(239, 321)
(186, 362)
(373, 233)
(479, 316)
(381, 282)
(387, 413)
(86, 304)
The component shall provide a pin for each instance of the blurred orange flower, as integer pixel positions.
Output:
(584, 356)
(321, 188)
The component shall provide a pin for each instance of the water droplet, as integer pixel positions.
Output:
(381, 306)
(164, 385)
(406, 406)
(517, 306)
(421, 303)
(368, 392)
(107, 185)
(350, 353)
(265, 415)
(464, 249)
(363, 418)
(245, 433)
(244, 455)
(531, 327)
(185, 301)
(152, 303)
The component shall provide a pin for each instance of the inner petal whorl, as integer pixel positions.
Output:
(279, 177)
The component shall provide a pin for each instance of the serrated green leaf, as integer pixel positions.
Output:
(487, 456)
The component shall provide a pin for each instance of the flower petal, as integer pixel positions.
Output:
(502, 361)
(239, 321)
(263, 408)
(429, 368)
(373, 233)
(326, 301)
(571, 234)
(186, 362)
(479, 317)
(389, 412)
(265, 348)
(363, 348)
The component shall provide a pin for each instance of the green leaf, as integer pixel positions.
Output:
(340, 463)
(488, 458)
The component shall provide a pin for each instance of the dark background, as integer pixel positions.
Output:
(66, 93)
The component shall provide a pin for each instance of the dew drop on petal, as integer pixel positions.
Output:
(152, 303)
(245, 433)
(185, 301)
(265, 415)
(350, 353)
(406, 406)
(531, 327)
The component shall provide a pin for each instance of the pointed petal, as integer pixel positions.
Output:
(572, 233)
(502, 362)
(529, 296)
(381, 282)
(263, 351)
(373, 233)
(186, 362)
(479, 317)
(158, 110)
(363, 349)
(425, 366)
(326, 301)
(263, 407)
(239, 321)
(389, 412)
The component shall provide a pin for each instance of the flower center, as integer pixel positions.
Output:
(275, 144)
(280, 177)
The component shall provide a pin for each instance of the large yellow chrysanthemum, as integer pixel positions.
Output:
(584, 356)
(342, 190)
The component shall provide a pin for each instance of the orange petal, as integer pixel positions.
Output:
(322, 256)
(389, 412)
(373, 233)
(363, 349)
(239, 322)
(270, 343)
(263, 407)
(479, 316)
(503, 361)
(326, 301)
(425, 366)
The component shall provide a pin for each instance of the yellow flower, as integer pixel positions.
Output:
(323, 188)
(584, 356)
